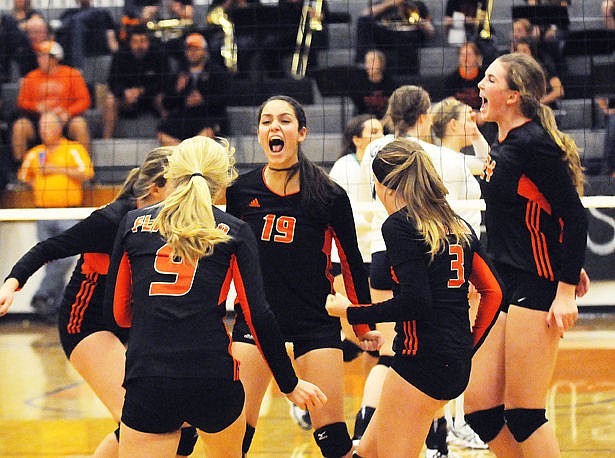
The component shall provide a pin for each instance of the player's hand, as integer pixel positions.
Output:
(337, 305)
(371, 341)
(583, 285)
(306, 395)
(7, 294)
(564, 311)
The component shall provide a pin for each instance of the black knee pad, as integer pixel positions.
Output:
(487, 423)
(361, 421)
(187, 440)
(385, 361)
(333, 440)
(247, 438)
(523, 422)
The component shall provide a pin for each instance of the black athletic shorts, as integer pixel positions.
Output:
(380, 272)
(162, 404)
(74, 326)
(443, 380)
(525, 290)
(328, 339)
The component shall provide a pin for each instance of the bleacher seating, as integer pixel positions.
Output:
(326, 115)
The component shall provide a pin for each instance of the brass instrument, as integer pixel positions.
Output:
(217, 16)
(410, 13)
(408, 18)
(311, 21)
(167, 29)
(485, 32)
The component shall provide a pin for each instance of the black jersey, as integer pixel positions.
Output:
(92, 238)
(176, 309)
(295, 254)
(534, 217)
(430, 302)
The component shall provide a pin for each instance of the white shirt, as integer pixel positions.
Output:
(457, 178)
(347, 173)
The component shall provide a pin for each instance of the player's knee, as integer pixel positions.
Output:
(487, 423)
(247, 438)
(187, 440)
(523, 422)
(333, 440)
(385, 361)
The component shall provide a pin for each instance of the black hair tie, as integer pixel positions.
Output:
(198, 174)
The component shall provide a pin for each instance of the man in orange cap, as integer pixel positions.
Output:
(51, 87)
(195, 98)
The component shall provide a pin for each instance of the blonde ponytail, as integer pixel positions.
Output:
(199, 169)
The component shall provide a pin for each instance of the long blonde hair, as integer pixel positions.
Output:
(406, 168)
(526, 76)
(199, 169)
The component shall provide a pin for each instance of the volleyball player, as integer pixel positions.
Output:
(94, 346)
(536, 235)
(174, 263)
(296, 212)
(434, 255)
(454, 124)
(409, 112)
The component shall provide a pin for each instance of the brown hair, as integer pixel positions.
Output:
(406, 104)
(406, 168)
(526, 76)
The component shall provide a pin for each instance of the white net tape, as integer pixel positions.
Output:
(34, 214)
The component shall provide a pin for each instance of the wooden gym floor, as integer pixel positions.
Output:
(46, 410)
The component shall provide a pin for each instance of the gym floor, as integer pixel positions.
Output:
(46, 410)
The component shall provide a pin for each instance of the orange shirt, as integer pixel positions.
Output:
(65, 88)
(56, 189)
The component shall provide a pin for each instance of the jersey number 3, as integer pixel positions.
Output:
(284, 228)
(184, 274)
(457, 266)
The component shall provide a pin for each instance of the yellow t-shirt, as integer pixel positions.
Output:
(56, 189)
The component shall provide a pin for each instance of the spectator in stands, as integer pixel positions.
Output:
(548, 49)
(86, 31)
(135, 81)
(150, 13)
(463, 82)
(396, 27)
(19, 36)
(55, 170)
(371, 88)
(279, 38)
(608, 14)
(195, 98)
(607, 105)
(51, 87)
(246, 35)
(555, 88)
(461, 16)
(554, 35)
